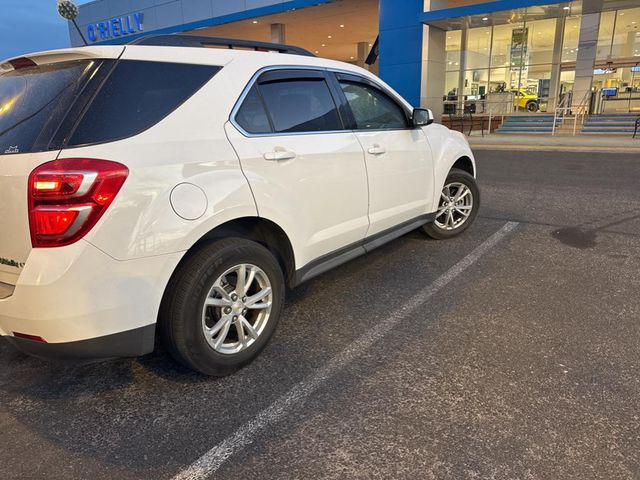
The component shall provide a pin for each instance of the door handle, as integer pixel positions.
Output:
(279, 154)
(377, 150)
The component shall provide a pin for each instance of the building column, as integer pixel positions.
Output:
(401, 36)
(278, 33)
(587, 49)
(556, 64)
(434, 65)
(464, 36)
(363, 53)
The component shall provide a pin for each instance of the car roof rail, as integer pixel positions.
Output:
(177, 40)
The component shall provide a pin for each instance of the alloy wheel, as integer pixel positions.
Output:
(237, 309)
(456, 206)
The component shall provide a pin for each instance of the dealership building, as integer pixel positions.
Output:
(437, 53)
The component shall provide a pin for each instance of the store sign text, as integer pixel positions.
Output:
(115, 27)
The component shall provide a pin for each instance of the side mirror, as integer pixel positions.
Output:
(422, 117)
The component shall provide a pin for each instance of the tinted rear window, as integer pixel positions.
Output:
(252, 116)
(33, 102)
(136, 96)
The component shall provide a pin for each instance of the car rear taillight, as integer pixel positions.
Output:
(67, 197)
(26, 336)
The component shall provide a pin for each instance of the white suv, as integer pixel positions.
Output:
(166, 189)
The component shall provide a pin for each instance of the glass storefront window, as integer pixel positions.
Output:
(451, 85)
(605, 34)
(517, 56)
(567, 79)
(620, 89)
(454, 40)
(475, 83)
(541, 35)
(499, 80)
(539, 84)
(502, 44)
(478, 47)
(626, 39)
(571, 39)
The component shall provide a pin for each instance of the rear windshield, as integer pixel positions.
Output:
(34, 100)
(87, 102)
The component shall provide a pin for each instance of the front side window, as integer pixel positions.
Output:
(300, 105)
(372, 108)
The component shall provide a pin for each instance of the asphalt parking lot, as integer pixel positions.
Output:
(511, 352)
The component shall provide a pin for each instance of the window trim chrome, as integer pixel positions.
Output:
(258, 74)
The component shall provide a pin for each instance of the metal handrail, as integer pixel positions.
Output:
(582, 111)
(563, 108)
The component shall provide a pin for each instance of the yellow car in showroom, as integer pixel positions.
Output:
(525, 100)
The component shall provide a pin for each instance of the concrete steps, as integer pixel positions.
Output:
(605, 124)
(610, 124)
(534, 124)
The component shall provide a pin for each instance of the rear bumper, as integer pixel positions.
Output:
(125, 344)
(84, 304)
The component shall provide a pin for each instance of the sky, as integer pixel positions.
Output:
(31, 25)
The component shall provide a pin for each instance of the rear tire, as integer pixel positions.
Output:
(457, 208)
(222, 306)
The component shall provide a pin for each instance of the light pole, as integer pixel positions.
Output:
(69, 11)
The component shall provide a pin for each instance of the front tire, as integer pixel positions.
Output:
(222, 306)
(458, 206)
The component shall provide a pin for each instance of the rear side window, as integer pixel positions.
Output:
(372, 108)
(300, 105)
(34, 100)
(252, 116)
(136, 96)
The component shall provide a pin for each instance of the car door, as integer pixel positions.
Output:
(307, 172)
(398, 157)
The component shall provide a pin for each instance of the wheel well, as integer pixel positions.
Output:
(261, 231)
(465, 164)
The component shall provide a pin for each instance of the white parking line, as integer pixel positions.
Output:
(209, 463)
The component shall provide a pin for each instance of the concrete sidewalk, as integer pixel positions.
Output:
(580, 143)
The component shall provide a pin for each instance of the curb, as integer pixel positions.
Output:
(555, 148)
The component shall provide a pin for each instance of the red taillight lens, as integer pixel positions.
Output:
(67, 197)
(56, 184)
(22, 62)
(54, 222)
(26, 336)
